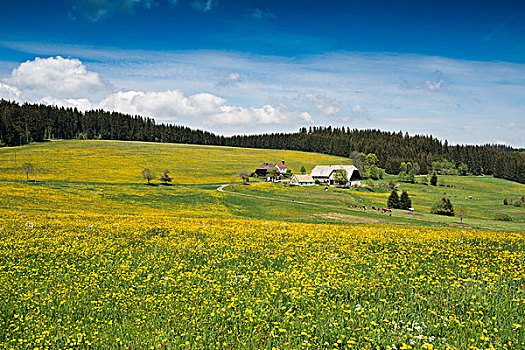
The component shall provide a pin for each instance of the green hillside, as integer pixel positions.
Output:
(92, 177)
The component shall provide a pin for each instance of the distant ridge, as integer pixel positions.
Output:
(21, 124)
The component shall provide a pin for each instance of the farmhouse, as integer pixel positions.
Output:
(302, 180)
(325, 173)
(264, 168)
(281, 167)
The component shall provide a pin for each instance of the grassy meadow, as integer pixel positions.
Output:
(92, 258)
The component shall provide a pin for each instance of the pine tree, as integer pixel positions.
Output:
(393, 200)
(303, 170)
(404, 201)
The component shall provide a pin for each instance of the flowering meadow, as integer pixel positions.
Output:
(92, 258)
(126, 282)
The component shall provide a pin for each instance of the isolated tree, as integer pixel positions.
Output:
(404, 201)
(148, 175)
(434, 179)
(340, 177)
(461, 211)
(393, 200)
(244, 175)
(303, 170)
(165, 178)
(28, 168)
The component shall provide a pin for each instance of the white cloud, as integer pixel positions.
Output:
(166, 105)
(261, 15)
(232, 80)
(358, 109)
(82, 104)
(434, 85)
(95, 10)
(435, 82)
(368, 80)
(9, 93)
(56, 76)
(203, 5)
(322, 104)
(172, 105)
(264, 115)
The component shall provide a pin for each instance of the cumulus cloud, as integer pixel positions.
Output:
(172, 106)
(82, 104)
(56, 76)
(261, 15)
(322, 104)
(67, 82)
(169, 105)
(9, 93)
(232, 80)
(264, 115)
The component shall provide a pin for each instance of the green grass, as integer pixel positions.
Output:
(94, 176)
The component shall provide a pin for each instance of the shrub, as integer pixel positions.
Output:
(505, 201)
(502, 217)
(434, 179)
(443, 207)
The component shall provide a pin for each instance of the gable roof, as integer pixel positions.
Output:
(266, 166)
(281, 165)
(327, 170)
(304, 178)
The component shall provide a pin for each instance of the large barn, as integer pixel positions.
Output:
(325, 173)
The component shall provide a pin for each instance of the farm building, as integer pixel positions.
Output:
(264, 168)
(302, 180)
(325, 173)
(281, 167)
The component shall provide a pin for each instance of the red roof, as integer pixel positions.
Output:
(280, 165)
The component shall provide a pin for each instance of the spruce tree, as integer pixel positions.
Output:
(393, 200)
(404, 201)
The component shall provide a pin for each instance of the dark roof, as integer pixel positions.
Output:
(266, 166)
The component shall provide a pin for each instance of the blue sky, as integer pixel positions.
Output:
(453, 69)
